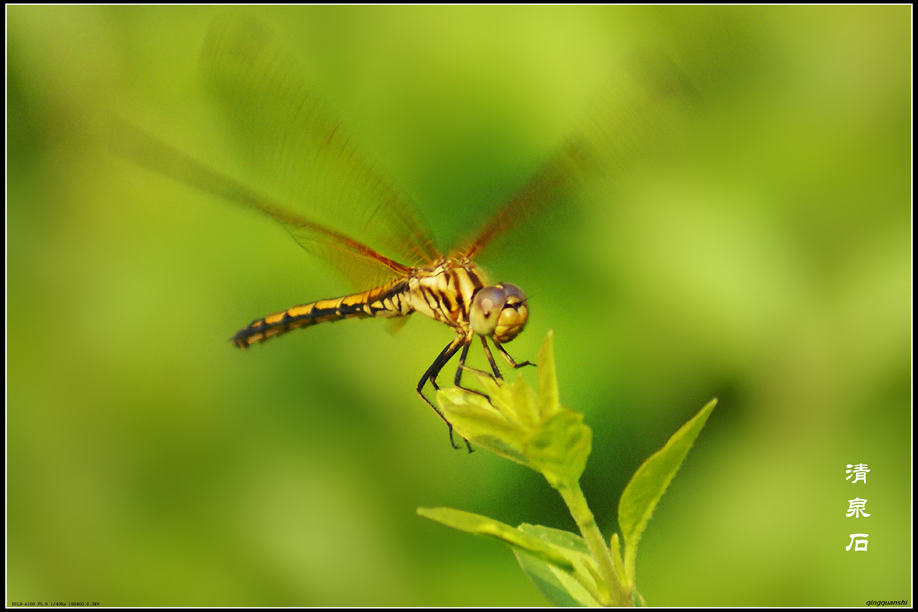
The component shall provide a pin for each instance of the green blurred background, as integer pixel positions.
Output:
(757, 250)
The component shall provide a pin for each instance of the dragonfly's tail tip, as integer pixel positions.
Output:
(240, 344)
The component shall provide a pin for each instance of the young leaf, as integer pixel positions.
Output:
(560, 588)
(560, 448)
(565, 540)
(650, 482)
(476, 420)
(484, 526)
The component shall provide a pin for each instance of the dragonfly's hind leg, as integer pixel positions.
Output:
(431, 375)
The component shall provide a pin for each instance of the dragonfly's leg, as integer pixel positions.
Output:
(431, 375)
(468, 368)
(507, 356)
(487, 349)
(462, 367)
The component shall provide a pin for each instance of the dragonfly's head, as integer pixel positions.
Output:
(499, 312)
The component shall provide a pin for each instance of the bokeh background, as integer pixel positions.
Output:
(756, 248)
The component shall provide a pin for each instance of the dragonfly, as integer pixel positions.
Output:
(308, 156)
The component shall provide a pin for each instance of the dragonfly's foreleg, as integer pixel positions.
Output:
(487, 350)
(490, 356)
(507, 356)
(469, 368)
(431, 375)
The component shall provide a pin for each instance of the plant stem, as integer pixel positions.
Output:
(577, 504)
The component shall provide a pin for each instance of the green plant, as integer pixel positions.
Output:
(536, 431)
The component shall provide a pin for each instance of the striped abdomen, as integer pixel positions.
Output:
(385, 301)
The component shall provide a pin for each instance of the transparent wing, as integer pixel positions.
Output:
(303, 152)
(343, 252)
(622, 122)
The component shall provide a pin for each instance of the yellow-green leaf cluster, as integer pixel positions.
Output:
(513, 422)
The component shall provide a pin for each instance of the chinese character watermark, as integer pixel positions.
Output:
(859, 545)
(859, 471)
(856, 507)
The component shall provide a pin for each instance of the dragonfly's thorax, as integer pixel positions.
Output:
(444, 291)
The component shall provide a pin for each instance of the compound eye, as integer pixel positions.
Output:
(513, 315)
(514, 294)
(486, 308)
